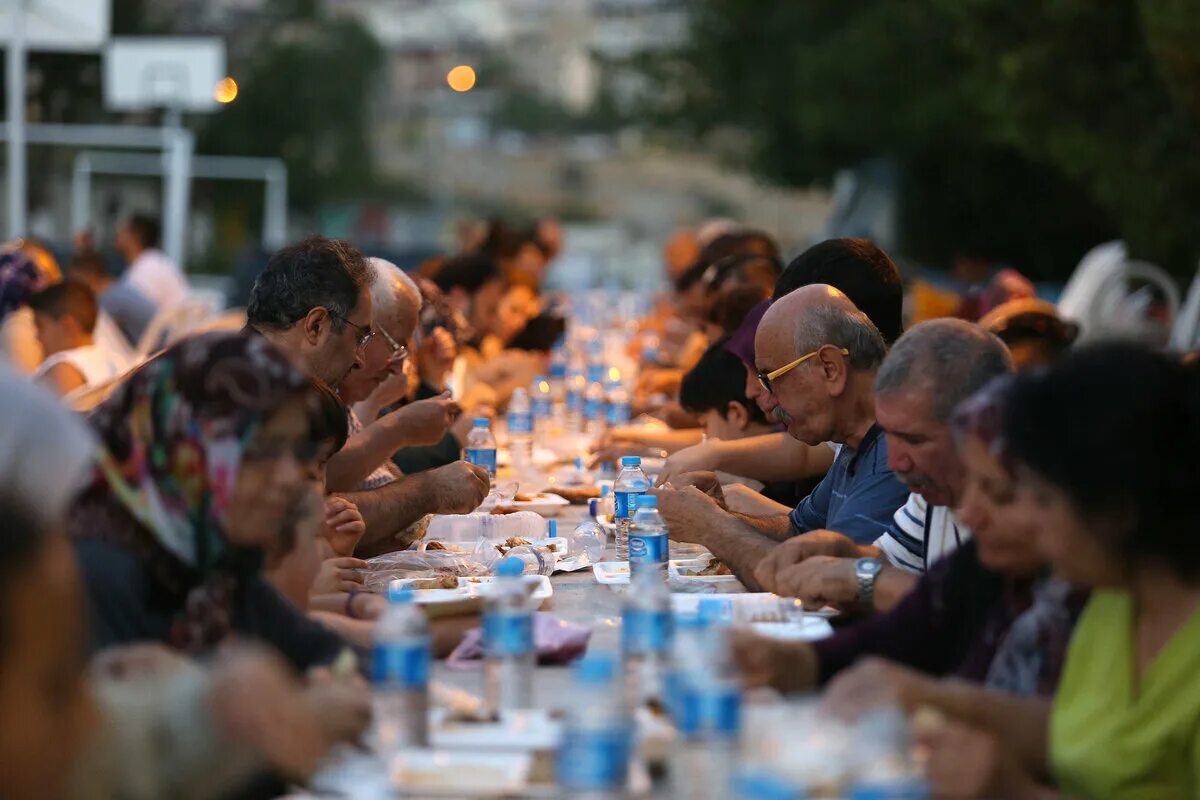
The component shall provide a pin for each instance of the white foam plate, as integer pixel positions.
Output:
(617, 572)
(475, 587)
(516, 730)
(685, 571)
(452, 773)
(807, 629)
(545, 503)
(781, 617)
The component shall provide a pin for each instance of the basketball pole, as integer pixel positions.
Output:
(180, 143)
(16, 122)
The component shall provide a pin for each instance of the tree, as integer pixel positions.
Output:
(1025, 130)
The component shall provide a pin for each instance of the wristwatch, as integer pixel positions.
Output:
(867, 570)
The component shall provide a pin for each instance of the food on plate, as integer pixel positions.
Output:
(576, 495)
(715, 567)
(440, 582)
(525, 497)
(435, 546)
(510, 543)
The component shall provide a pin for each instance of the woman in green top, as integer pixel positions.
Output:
(1106, 444)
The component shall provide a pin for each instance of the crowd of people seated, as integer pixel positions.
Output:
(1002, 519)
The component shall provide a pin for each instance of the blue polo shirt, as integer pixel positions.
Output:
(857, 497)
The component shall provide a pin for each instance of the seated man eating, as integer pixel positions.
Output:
(818, 355)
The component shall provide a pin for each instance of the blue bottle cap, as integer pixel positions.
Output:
(579, 463)
(481, 422)
(551, 529)
(631, 461)
(647, 501)
(596, 668)
(509, 568)
(399, 593)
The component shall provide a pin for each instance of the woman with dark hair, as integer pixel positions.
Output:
(1107, 442)
(204, 454)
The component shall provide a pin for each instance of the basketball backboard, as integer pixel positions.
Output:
(178, 72)
(59, 25)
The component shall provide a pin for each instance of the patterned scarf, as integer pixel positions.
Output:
(173, 436)
(19, 278)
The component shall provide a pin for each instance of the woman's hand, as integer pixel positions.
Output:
(339, 575)
(344, 525)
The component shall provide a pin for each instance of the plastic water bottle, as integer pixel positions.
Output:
(573, 401)
(400, 673)
(620, 409)
(542, 404)
(481, 446)
(648, 542)
(520, 431)
(593, 756)
(595, 408)
(588, 537)
(630, 484)
(508, 652)
(646, 636)
(558, 373)
(706, 706)
(885, 767)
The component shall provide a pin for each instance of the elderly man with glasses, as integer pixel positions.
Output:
(817, 356)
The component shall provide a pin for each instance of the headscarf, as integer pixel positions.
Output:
(172, 439)
(741, 343)
(19, 278)
(982, 415)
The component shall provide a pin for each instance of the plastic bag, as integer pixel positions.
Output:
(383, 569)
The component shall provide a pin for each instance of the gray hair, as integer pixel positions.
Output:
(951, 358)
(389, 287)
(841, 327)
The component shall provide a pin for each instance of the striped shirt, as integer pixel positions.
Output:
(382, 475)
(921, 534)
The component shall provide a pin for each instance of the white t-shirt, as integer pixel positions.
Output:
(920, 535)
(158, 278)
(96, 364)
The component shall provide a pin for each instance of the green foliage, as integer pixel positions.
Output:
(304, 96)
(1026, 130)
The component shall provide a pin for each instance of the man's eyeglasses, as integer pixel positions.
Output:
(364, 334)
(765, 378)
(399, 351)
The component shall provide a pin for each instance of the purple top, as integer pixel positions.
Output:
(741, 343)
(953, 623)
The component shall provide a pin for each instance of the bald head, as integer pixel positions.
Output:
(817, 315)
(395, 298)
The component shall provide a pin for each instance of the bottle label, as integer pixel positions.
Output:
(507, 634)
(519, 423)
(542, 407)
(558, 369)
(618, 413)
(401, 665)
(626, 504)
(595, 373)
(574, 400)
(645, 631)
(648, 547)
(594, 759)
(715, 708)
(483, 457)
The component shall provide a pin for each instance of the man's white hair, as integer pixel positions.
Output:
(390, 288)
